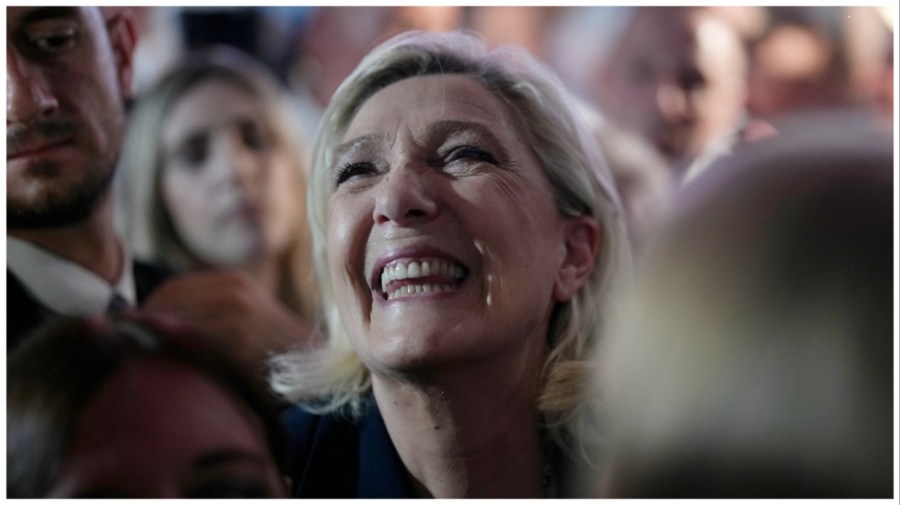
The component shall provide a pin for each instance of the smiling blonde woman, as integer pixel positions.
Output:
(467, 239)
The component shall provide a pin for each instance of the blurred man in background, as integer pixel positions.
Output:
(676, 76)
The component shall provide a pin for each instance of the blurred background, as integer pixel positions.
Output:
(313, 48)
(667, 90)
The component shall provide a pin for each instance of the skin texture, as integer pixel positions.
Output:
(434, 167)
(67, 75)
(158, 429)
(226, 183)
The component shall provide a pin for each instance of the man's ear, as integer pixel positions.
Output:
(123, 38)
(583, 237)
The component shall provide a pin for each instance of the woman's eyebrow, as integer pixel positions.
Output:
(357, 144)
(445, 128)
(435, 130)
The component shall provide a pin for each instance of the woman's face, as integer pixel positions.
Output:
(226, 182)
(157, 429)
(443, 237)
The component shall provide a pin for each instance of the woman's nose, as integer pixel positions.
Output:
(238, 164)
(28, 94)
(406, 196)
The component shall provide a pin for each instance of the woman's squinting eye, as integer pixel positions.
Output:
(353, 169)
(469, 153)
(454, 160)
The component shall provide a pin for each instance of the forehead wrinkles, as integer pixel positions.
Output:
(362, 144)
(411, 108)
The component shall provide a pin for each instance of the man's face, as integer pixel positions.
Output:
(66, 71)
(677, 79)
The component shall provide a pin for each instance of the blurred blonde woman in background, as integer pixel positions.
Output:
(213, 182)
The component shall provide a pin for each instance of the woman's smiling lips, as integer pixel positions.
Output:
(406, 274)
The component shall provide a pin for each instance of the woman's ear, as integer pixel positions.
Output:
(583, 237)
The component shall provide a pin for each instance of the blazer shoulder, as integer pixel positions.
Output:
(323, 453)
(23, 312)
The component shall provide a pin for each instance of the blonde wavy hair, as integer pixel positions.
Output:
(334, 379)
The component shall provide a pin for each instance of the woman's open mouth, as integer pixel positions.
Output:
(407, 277)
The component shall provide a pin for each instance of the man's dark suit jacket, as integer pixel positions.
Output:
(336, 457)
(24, 314)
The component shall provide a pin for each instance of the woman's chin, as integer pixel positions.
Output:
(411, 352)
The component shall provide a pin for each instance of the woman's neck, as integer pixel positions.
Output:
(463, 438)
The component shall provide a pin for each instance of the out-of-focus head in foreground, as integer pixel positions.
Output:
(136, 409)
(754, 358)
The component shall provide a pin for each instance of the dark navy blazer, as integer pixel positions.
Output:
(333, 456)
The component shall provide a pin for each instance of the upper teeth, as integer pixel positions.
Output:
(404, 269)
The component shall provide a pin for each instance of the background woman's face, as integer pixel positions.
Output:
(443, 236)
(157, 429)
(226, 182)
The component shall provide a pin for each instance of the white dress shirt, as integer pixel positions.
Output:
(63, 286)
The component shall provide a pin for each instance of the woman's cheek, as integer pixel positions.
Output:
(338, 248)
(180, 196)
(347, 236)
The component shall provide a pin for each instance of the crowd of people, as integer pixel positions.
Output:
(412, 252)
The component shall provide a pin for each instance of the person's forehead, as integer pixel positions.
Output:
(162, 407)
(209, 103)
(447, 96)
(163, 418)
